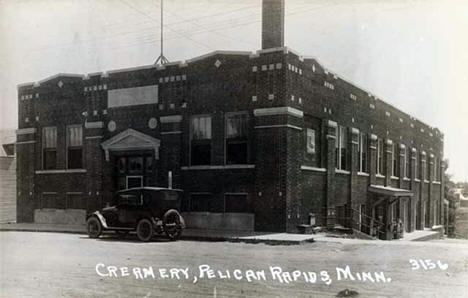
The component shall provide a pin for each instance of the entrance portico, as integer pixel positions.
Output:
(390, 205)
(132, 155)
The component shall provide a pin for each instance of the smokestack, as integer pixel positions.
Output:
(272, 24)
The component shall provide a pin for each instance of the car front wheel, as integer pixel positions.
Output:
(94, 227)
(145, 230)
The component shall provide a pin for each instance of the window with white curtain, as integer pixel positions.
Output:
(362, 152)
(200, 133)
(49, 148)
(236, 138)
(341, 148)
(74, 147)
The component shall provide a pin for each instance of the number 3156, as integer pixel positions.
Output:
(427, 264)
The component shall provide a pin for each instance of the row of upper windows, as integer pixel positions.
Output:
(236, 131)
(342, 155)
(236, 135)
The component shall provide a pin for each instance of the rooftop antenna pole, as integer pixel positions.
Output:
(161, 59)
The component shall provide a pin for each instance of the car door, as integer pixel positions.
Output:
(126, 209)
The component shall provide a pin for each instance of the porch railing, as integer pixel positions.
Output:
(354, 219)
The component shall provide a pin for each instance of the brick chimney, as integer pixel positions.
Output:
(272, 24)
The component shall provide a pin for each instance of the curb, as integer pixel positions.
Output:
(41, 230)
(186, 237)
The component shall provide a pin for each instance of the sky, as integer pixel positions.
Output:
(411, 54)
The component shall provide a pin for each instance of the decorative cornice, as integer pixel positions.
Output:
(97, 124)
(315, 169)
(26, 131)
(218, 53)
(219, 167)
(332, 124)
(25, 142)
(279, 111)
(279, 126)
(71, 171)
(354, 131)
(171, 119)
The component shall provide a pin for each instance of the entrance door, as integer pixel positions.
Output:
(406, 215)
(134, 181)
(418, 215)
(427, 214)
(134, 170)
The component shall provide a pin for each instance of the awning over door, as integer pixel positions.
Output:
(390, 191)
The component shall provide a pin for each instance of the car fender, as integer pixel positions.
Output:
(101, 218)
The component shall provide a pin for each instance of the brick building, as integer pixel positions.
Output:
(266, 140)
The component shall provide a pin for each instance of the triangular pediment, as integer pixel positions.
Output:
(131, 139)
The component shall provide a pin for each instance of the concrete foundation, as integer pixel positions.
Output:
(219, 221)
(60, 216)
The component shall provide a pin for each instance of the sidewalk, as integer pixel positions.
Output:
(188, 234)
(226, 235)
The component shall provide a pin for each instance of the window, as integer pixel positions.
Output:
(200, 132)
(205, 202)
(395, 165)
(426, 169)
(329, 85)
(310, 141)
(135, 171)
(236, 138)
(341, 146)
(134, 181)
(49, 148)
(406, 169)
(380, 153)
(75, 201)
(362, 152)
(50, 200)
(416, 165)
(135, 164)
(236, 203)
(74, 147)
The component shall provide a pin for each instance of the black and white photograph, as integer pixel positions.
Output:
(233, 148)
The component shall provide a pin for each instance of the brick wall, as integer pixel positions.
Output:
(280, 192)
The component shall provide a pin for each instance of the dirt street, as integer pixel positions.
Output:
(68, 265)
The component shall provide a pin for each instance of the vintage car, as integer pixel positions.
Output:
(146, 210)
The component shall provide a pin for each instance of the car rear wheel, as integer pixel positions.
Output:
(94, 227)
(172, 224)
(145, 230)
